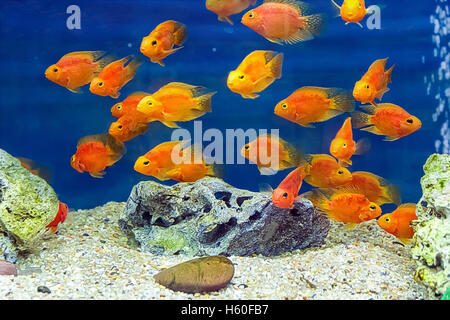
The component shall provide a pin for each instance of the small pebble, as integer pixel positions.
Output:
(43, 289)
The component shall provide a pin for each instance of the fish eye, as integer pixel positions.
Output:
(285, 195)
(340, 171)
(344, 145)
(241, 77)
(387, 219)
(73, 159)
(55, 70)
(100, 84)
(410, 121)
(247, 147)
(120, 127)
(367, 86)
(146, 163)
(251, 15)
(284, 106)
(119, 107)
(150, 103)
(154, 43)
(372, 207)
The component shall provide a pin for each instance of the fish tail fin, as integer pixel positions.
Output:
(203, 103)
(216, 170)
(389, 74)
(343, 102)
(275, 66)
(360, 119)
(103, 61)
(179, 34)
(314, 23)
(392, 193)
(362, 146)
(132, 67)
(318, 199)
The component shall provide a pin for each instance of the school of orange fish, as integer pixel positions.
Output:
(343, 196)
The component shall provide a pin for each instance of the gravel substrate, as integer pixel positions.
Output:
(91, 258)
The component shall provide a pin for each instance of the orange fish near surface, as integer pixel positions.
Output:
(226, 8)
(176, 102)
(271, 154)
(344, 205)
(114, 76)
(314, 104)
(287, 192)
(77, 69)
(398, 222)
(95, 153)
(343, 147)
(375, 188)
(325, 172)
(60, 217)
(158, 161)
(159, 43)
(127, 127)
(373, 85)
(283, 21)
(352, 11)
(129, 106)
(255, 73)
(386, 119)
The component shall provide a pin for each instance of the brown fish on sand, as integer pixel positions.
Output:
(197, 275)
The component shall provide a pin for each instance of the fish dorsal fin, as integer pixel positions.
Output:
(196, 91)
(369, 108)
(344, 189)
(265, 188)
(408, 205)
(116, 146)
(94, 54)
(379, 61)
(139, 93)
(302, 7)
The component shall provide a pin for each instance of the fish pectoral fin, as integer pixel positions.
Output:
(97, 174)
(115, 95)
(372, 129)
(171, 51)
(75, 90)
(345, 163)
(250, 96)
(275, 40)
(170, 124)
(359, 24)
(381, 93)
(336, 4)
(266, 189)
(350, 226)
(225, 19)
(405, 241)
(299, 36)
(390, 138)
(265, 171)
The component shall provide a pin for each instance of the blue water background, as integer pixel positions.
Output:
(43, 121)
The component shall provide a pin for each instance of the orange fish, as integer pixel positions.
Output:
(60, 217)
(159, 43)
(271, 154)
(386, 119)
(114, 76)
(77, 69)
(35, 168)
(255, 73)
(373, 85)
(283, 21)
(375, 188)
(129, 106)
(158, 161)
(398, 222)
(343, 147)
(352, 11)
(344, 205)
(95, 153)
(127, 127)
(325, 172)
(224, 9)
(287, 192)
(176, 102)
(314, 104)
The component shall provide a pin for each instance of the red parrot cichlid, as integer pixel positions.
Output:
(314, 104)
(60, 217)
(225, 8)
(283, 21)
(398, 222)
(160, 42)
(352, 11)
(373, 85)
(386, 119)
(114, 76)
(325, 172)
(95, 153)
(77, 69)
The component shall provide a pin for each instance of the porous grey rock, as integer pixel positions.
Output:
(27, 205)
(210, 217)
